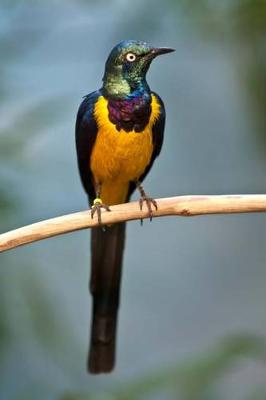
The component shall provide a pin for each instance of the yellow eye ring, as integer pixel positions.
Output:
(131, 57)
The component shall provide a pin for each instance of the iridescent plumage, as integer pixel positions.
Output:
(119, 133)
(132, 113)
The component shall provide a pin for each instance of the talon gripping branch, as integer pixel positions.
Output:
(119, 133)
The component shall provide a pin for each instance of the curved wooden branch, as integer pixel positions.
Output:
(181, 206)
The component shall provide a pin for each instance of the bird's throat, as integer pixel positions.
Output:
(129, 101)
(115, 86)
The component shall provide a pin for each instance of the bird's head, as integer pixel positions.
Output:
(127, 65)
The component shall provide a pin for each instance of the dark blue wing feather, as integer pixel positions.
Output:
(86, 132)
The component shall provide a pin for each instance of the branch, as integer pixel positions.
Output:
(182, 205)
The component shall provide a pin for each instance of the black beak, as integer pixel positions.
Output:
(157, 51)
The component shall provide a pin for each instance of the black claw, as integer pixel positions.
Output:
(99, 215)
(148, 202)
(154, 202)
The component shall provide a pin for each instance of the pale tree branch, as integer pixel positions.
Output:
(176, 206)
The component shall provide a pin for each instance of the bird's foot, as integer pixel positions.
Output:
(97, 208)
(149, 202)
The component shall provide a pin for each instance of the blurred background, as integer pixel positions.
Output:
(192, 319)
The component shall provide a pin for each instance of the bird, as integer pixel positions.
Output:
(119, 133)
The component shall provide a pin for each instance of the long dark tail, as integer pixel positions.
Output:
(106, 267)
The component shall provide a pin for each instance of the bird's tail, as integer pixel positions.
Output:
(106, 266)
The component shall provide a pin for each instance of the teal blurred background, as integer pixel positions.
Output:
(192, 318)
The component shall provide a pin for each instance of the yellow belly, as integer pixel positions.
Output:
(119, 157)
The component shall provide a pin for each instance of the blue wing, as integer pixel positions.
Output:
(86, 132)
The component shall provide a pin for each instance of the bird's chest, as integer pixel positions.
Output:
(119, 154)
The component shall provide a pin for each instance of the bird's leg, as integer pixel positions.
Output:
(98, 205)
(148, 200)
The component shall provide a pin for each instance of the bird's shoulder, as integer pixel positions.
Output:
(158, 126)
(85, 115)
(160, 104)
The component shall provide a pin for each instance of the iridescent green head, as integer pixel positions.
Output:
(127, 65)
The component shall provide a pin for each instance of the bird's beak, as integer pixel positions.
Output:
(157, 51)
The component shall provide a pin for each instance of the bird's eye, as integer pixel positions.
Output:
(131, 57)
